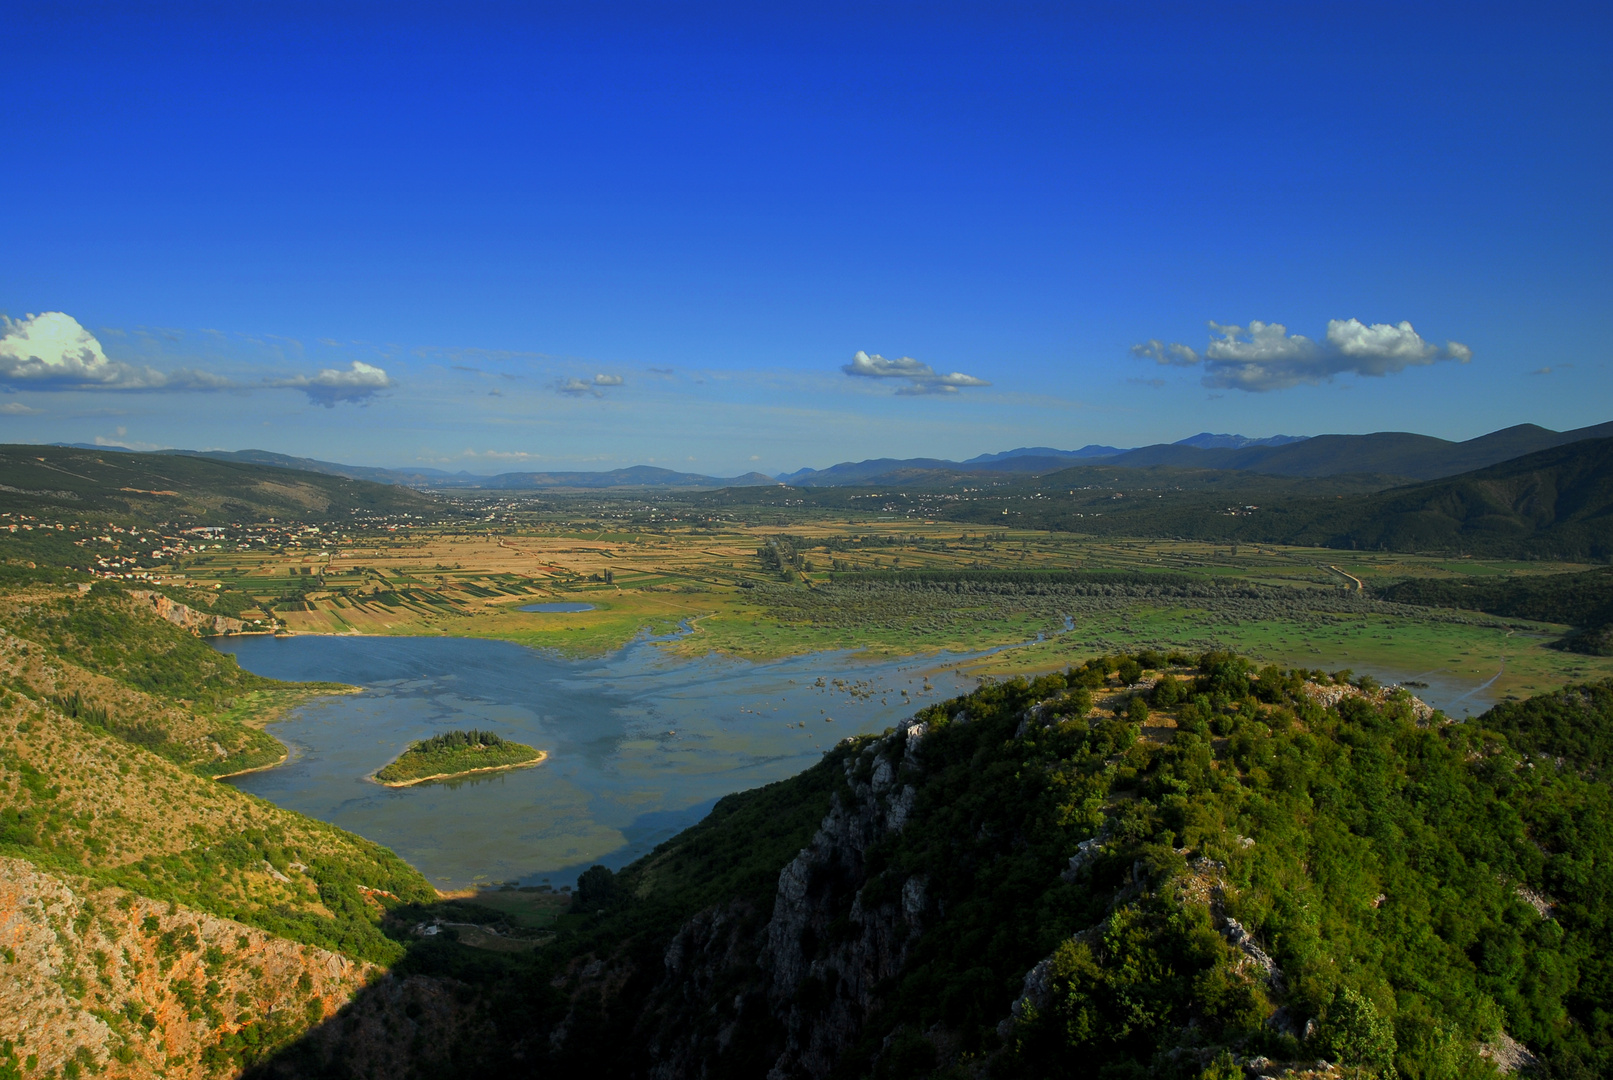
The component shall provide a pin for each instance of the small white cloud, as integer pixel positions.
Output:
(358, 382)
(1175, 354)
(1265, 356)
(921, 377)
(17, 408)
(607, 380)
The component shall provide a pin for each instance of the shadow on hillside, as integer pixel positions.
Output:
(457, 1004)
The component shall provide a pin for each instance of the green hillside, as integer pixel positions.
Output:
(1398, 453)
(164, 487)
(160, 923)
(1555, 504)
(1098, 873)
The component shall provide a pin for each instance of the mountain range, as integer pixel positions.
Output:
(1395, 455)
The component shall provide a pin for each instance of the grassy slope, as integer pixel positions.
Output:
(119, 792)
(109, 662)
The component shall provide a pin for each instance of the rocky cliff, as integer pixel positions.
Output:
(200, 622)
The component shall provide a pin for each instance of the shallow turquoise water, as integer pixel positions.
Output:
(560, 608)
(641, 743)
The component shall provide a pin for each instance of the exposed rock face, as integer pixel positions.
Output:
(1328, 696)
(780, 994)
(181, 615)
(1509, 1055)
(827, 948)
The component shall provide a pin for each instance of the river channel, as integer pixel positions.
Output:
(641, 743)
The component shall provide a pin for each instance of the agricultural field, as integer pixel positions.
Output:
(781, 587)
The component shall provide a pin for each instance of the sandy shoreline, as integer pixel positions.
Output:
(543, 755)
(256, 768)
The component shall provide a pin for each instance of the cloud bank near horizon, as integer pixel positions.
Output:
(52, 351)
(921, 378)
(1265, 356)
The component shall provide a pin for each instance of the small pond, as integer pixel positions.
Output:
(557, 608)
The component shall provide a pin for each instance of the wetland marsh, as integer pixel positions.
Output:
(703, 667)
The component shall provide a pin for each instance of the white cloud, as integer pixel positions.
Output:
(51, 351)
(921, 377)
(358, 382)
(1174, 354)
(607, 380)
(1265, 356)
(17, 408)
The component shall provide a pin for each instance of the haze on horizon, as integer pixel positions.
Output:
(731, 238)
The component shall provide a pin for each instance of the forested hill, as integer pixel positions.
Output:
(1395, 453)
(166, 487)
(1555, 504)
(1146, 866)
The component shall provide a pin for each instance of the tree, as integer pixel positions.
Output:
(1355, 1033)
(596, 889)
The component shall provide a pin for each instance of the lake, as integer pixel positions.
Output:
(641, 742)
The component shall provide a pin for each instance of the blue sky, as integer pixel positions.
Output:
(585, 236)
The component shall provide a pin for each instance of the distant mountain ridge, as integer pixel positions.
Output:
(1091, 450)
(1394, 454)
(634, 476)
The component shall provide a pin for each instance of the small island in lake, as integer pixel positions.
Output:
(456, 753)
